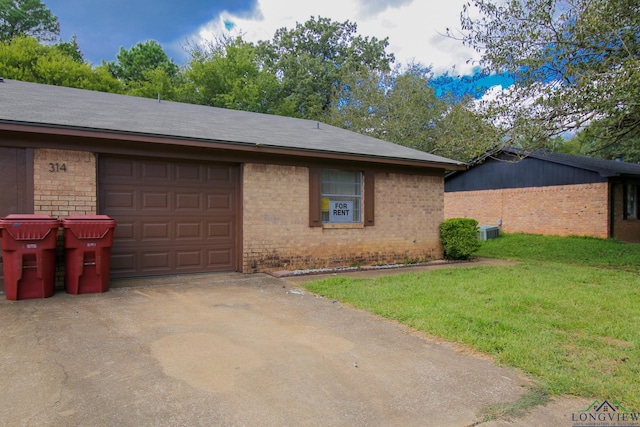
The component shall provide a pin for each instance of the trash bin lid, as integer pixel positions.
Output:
(27, 217)
(28, 226)
(88, 226)
(87, 218)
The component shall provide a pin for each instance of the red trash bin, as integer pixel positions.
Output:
(29, 252)
(87, 246)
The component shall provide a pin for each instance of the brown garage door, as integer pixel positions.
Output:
(172, 217)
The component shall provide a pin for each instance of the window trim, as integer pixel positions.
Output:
(315, 204)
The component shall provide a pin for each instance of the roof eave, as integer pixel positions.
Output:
(43, 129)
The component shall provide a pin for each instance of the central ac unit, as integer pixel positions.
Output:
(486, 232)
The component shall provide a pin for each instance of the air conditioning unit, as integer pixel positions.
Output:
(486, 232)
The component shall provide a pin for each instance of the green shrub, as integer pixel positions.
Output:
(459, 238)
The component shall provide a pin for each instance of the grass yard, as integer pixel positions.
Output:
(568, 314)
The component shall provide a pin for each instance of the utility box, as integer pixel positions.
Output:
(87, 251)
(29, 254)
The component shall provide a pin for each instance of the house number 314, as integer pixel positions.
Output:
(57, 167)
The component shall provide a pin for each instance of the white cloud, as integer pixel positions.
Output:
(414, 27)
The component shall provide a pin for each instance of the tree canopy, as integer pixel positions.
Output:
(314, 59)
(226, 73)
(27, 18)
(131, 64)
(145, 70)
(24, 58)
(574, 62)
(401, 106)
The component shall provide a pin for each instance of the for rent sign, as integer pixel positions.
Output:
(340, 211)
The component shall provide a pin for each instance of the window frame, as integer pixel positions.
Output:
(367, 215)
(333, 188)
(631, 192)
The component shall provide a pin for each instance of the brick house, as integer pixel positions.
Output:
(200, 189)
(548, 193)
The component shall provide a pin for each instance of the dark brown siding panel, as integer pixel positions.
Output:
(16, 178)
(369, 198)
(315, 212)
(16, 195)
(172, 216)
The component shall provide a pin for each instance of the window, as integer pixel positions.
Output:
(340, 197)
(630, 201)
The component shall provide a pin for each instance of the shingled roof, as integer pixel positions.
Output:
(31, 104)
(606, 168)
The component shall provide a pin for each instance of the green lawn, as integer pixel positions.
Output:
(585, 251)
(568, 313)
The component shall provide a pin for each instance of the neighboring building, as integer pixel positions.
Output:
(200, 189)
(548, 193)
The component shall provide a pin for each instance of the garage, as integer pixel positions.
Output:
(172, 217)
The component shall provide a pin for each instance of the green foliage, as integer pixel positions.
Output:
(71, 49)
(145, 70)
(27, 18)
(593, 141)
(156, 82)
(463, 134)
(396, 106)
(227, 74)
(459, 238)
(575, 63)
(313, 61)
(24, 58)
(131, 64)
(401, 106)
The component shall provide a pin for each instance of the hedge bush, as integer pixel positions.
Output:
(459, 238)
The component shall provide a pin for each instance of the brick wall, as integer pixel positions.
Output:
(557, 210)
(64, 182)
(624, 229)
(277, 236)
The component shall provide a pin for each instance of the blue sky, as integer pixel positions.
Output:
(414, 27)
(102, 27)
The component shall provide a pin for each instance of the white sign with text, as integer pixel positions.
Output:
(340, 211)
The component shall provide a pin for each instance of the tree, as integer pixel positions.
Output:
(24, 58)
(590, 141)
(314, 59)
(402, 107)
(412, 111)
(142, 67)
(71, 49)
(574, 62)
(226, 73)
(464, 134)
(27, 18)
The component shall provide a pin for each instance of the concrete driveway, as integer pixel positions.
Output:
(232, 350)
